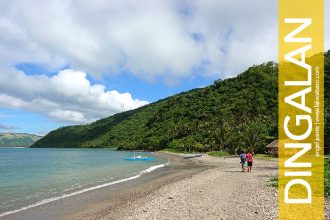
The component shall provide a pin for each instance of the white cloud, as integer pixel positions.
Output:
(151, 39)
(163, 39)
(148, 38)
(7, 127)
(67, 96)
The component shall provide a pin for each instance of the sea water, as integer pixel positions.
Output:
(34, 176)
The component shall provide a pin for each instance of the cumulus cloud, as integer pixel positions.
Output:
(67, 96)
(164, 39)
(151, 39)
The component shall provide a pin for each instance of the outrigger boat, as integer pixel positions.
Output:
(139, 157)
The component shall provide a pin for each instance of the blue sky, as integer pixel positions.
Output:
(71, 62)
(127, 82)
(26, 122)
(22, 121)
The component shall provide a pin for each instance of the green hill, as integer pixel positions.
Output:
(226, 115)
(17, 139)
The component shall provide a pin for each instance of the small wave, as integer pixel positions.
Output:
(68, 189)
(150, 169)
(45, 201)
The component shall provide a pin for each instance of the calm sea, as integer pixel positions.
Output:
(30, 176)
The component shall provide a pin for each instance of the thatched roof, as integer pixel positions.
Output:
(274, 144)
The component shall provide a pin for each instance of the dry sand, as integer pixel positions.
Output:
(221, 192)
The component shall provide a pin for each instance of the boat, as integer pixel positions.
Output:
(139, 158)
(190, 156)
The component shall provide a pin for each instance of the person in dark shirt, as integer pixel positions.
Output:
(243, 160)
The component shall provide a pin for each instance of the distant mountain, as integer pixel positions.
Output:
(229, 114)
(17, 139)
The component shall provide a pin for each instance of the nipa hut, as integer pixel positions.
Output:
(272, 148)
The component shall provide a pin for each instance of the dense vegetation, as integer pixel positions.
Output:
(229, 114)
(327, 177)
(17, 139)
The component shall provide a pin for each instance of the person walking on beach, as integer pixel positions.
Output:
(243, 160)
(249, 160)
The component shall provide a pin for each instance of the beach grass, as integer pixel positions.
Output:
(219, 153)
(172, 150)
(273, 182)
(265, 157)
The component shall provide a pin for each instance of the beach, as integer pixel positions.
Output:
(220, 192)
(197, 188)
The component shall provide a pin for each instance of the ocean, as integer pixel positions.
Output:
(33, 176)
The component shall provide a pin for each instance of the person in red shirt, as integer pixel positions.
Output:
(249, 160)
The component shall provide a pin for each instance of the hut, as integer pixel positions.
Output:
(272, 148)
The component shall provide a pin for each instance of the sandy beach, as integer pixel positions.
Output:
(198, 188)
(220, 192)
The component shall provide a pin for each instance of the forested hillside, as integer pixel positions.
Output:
(229, 114)
(17, 139)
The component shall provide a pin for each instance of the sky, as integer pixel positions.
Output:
(65, 62)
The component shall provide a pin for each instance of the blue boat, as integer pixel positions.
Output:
(139, 158)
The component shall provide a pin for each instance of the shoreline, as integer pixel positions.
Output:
(112, 194)
(52, 199)
(202, 187)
